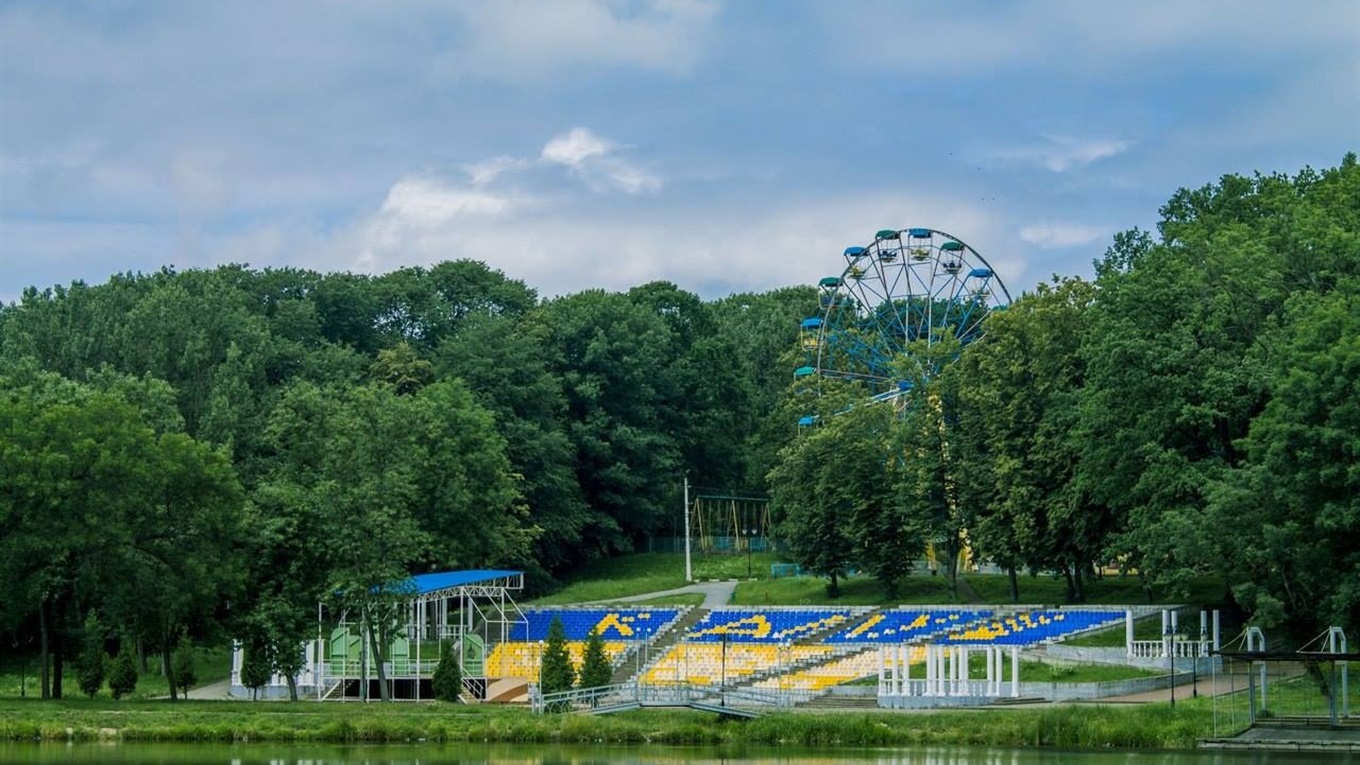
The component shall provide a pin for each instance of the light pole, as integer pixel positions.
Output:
(1194, 668)
(1171, 654)
(722, 687)
(750, 536)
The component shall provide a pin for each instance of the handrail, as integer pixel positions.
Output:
(585, 699)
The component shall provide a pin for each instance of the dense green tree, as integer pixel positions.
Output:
(123, 671)
(1013, 437)
(596, 669)
(503, 361)
(183, 673)
(809, 505)
(1287, 520)
(448, 676)
(93, 664)
(102, 509)
(761, 331)
(255, 667)
(402, 367)
(556, 673)
(1177, 365)
(610, 354)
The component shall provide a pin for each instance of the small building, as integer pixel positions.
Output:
(467, 612)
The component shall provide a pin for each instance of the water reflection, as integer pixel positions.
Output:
(424, 754)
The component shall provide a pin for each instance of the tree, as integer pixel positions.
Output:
(123, 672)
(1017, 394)
(448, 676)
(611, 355)
(502, 361)
(1178, 363)
(183, 673)
(104, 508)
(808, 517)
(93, 663)
(556, 673)
(255, 667)
(596, 669)
(1289, 517)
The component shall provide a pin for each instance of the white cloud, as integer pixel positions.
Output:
(427, 202)
(1049, 235)
(417, 210)
(564, 243)
(575, 148)
(955, 39)
(1062, 153)
(486, 171)
(596, 161)
(538, 39)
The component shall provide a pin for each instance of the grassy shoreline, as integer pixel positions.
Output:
(1145, 726)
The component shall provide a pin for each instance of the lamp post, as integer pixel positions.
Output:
(1194, 668)
(722, 687)
(750, 536)
(1171, 655)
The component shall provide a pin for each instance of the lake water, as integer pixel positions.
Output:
(466, 754)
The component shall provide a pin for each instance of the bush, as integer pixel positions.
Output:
(182, 665)
(448, 676)
(256, 667)
(93, 663)
(123, 672)
(556, 674)
(596, 670)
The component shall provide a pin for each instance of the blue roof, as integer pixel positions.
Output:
(442, 580)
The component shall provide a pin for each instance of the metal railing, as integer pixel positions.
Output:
(671, 694)
(1181, 649)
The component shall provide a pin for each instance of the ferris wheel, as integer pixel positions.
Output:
(908, 288)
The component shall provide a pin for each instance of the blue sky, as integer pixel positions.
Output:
(725, 146)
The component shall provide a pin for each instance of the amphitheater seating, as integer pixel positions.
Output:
(766, 625)
(613, 623)
(822, 676)
(905, 625)
(708, 663)
(520, 659)
(1033, 627)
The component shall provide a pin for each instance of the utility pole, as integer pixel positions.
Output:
(689, 570)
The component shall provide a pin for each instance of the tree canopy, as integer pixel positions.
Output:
(210, 452)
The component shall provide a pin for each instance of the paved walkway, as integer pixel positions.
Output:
(715, 594)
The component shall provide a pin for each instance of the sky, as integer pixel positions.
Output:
(573, 144)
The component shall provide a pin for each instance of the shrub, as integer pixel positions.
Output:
(182, 665)
(596, 670)
(123, 672)
(448, 676)
(556, 674)
(93, 664)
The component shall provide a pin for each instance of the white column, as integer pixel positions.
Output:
(1128, 629)
(960, 671)
(1216, 643)
(1015, 671)
(882, 665)
(930, 670)
(904, 682)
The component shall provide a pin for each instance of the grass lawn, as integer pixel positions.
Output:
(855, 591)
(1108, 591)
(21, 672)
(1152, 726)
(1146, 628)
(642, 573)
